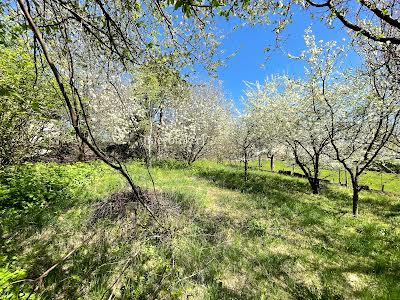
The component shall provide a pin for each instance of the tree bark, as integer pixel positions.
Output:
(314, 183)
(245, 166)
(355, 196)
(271, 162)
(158, 136)
(81, 149)
(316, 186)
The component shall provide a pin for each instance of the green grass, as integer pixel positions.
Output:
(268, 238)
(373, 179)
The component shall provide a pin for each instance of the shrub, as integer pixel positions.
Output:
(170, 164)
(40, 184)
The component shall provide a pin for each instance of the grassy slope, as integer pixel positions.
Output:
(373, 179)
(266, 239)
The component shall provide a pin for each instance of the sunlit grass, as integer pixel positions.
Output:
(373, 179)
(268, 238)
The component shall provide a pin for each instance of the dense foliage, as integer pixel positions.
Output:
(29, 106)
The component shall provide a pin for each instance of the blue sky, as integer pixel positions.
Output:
(251, 41)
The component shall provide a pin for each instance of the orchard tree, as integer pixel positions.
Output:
(120, 36)
(293, 111)
(195, 121)
(361, 125)
(307, 134)
(362, 116)
(258, 104)
(157, 87)
(246, 136)
(222, 146)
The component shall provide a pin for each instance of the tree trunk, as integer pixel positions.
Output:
(315, 186)
(315, 190)
(245, 166)
(259, 162)
(355, 196)
(271, 162)
(81, 151)
(150, 140)
(312, 177)
(355, 202)
(158, 137)
(315, 180)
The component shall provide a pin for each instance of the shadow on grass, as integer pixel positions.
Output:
(380, 204)
(323, 226)
(257, 183)
(170, 164)
(318, 238)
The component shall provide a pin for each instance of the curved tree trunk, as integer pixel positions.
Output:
(73, 113)
(312, 175)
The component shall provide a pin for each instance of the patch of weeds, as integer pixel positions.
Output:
(184, 201)
(257, 227)
(312, 216)
(7, 277)
(170, 164)
(217, 290)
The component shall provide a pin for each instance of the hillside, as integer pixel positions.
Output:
(215, 237)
